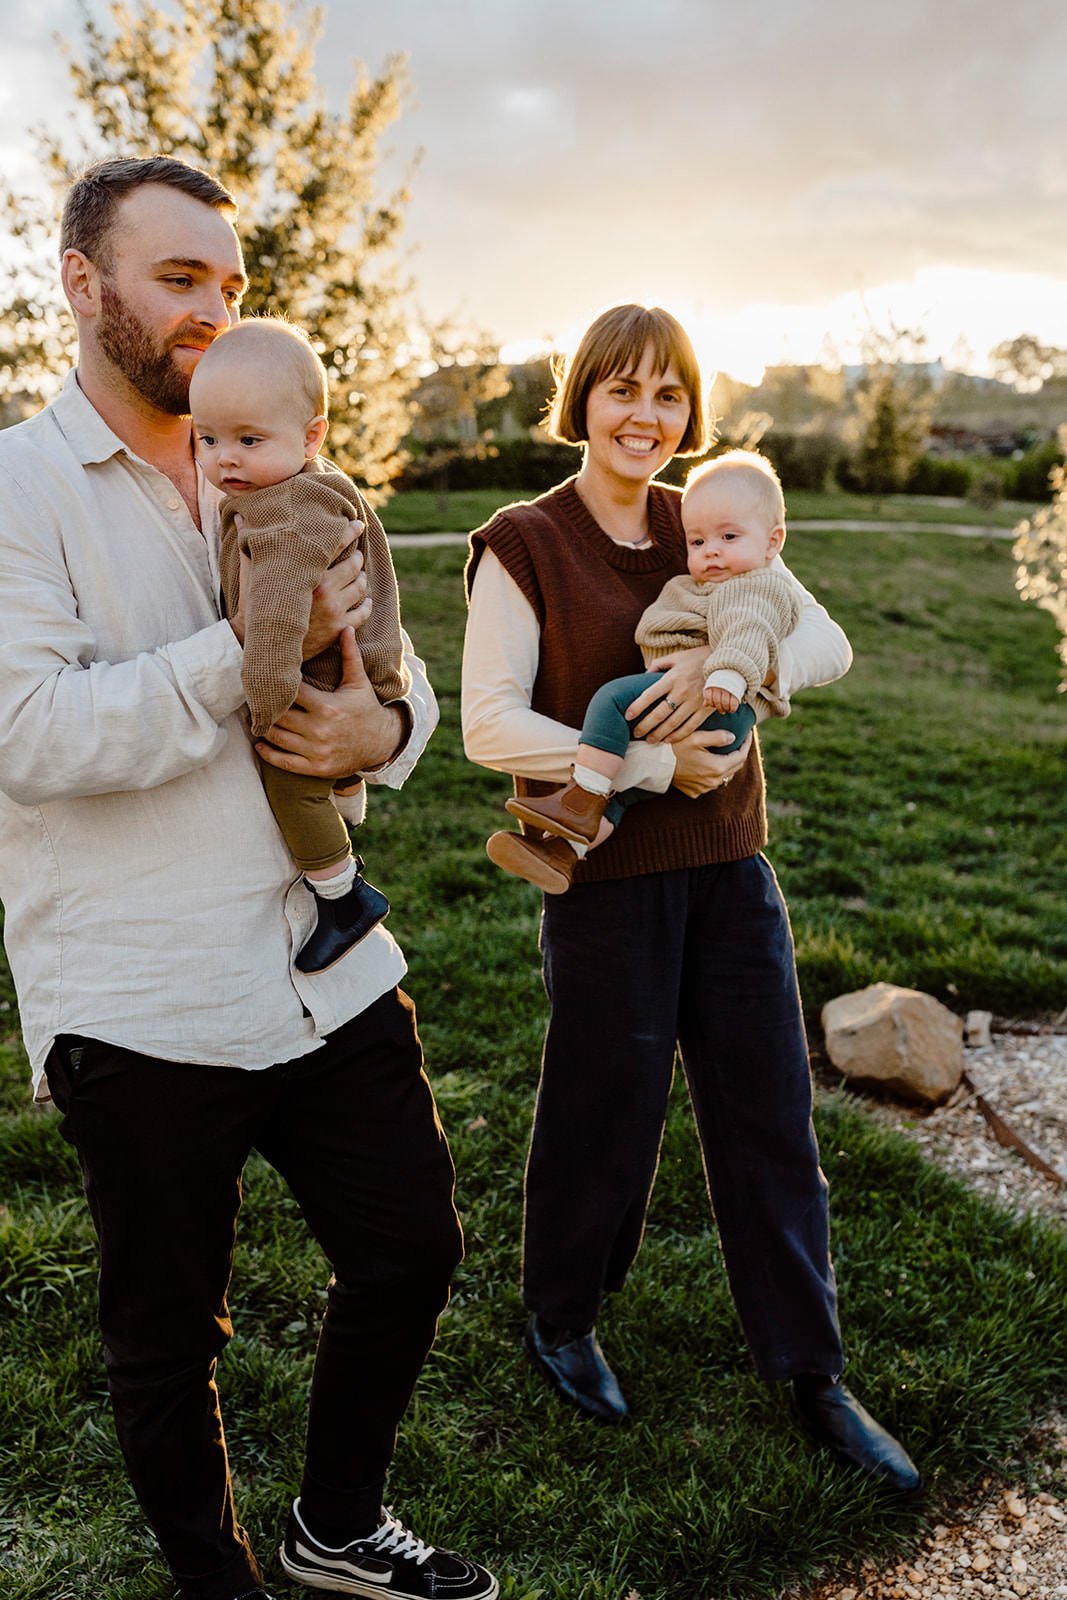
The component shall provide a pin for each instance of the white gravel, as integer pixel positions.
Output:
(1011, 1542)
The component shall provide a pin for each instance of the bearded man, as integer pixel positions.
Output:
(152, 918)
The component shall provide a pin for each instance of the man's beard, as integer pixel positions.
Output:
(132, 348)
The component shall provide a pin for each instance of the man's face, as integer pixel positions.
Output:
(174, 281)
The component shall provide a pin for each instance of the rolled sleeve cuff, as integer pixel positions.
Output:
(647, 766)
(733, 682)
(209, 664)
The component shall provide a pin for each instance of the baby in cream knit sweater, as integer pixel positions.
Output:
(734, 600)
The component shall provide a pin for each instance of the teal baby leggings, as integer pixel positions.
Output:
(606, 728)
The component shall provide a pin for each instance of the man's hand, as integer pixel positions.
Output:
(340, 600)
(326, 735)
(673, 707)
(698, 769)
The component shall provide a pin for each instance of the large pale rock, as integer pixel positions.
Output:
(895, 1039)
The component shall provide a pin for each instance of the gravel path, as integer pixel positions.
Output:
(1011, 1542)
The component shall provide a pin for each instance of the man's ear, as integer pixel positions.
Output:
(80, 281)
(313, 437)
(775, 542)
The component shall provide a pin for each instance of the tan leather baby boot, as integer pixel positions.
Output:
(572, 812)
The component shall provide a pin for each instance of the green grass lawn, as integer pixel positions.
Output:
(918, 826)
(420, 511)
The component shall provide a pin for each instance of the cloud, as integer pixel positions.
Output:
(792, 152)
(576, 151)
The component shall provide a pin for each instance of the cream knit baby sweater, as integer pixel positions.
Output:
(742, 619)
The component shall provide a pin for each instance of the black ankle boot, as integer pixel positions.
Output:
(342, 924)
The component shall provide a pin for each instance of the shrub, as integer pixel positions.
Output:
(940, 476)
(1028, 478)
(531, 464)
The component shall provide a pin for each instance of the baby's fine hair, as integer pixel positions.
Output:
(296, 365)
(760, 473)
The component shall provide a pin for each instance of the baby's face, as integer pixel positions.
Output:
(727, 529)
(247, 438)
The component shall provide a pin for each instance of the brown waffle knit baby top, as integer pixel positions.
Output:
(292, 531)
(588, 594)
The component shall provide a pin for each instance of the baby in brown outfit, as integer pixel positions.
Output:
(259, 398)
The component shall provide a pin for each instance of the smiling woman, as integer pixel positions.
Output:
(672, 931)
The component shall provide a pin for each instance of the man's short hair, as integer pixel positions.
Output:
(756, 469)
(295, 365)
(89, 212)
(614, 345)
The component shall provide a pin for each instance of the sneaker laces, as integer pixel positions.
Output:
(394, 1539)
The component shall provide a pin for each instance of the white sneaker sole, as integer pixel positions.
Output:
(339, 1583)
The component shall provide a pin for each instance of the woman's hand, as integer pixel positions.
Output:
(698, 769)
(674, 706)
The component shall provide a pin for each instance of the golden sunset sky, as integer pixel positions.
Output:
(774, 174)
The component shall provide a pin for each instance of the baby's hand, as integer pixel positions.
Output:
(720, 699)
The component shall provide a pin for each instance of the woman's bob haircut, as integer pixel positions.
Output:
(613, 346)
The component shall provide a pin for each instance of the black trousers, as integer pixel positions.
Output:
(354, 1131)
(700, 960)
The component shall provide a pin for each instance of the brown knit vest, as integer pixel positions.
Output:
(587, 593)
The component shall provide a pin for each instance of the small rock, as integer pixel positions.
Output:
(896, 1039)
(980, 1562)
(1000, 1541)
(976, 1030)
(1014, 1506)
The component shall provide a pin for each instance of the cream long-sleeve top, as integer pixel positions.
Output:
(500, 659)
(149, 897)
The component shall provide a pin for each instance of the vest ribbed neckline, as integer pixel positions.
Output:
(624, 557)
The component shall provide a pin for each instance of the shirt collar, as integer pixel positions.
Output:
(83, 427)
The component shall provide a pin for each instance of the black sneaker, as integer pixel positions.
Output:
(389, 1562)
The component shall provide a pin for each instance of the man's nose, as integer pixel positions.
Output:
(213, 309)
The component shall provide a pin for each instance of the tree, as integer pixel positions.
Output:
(1027, 363)
(229, 85)
(1041, 552)
(893, 404)
(465, 377)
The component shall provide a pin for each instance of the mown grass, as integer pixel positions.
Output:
(918, 828)
(421, 511)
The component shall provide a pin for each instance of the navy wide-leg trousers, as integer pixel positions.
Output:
(700, 960)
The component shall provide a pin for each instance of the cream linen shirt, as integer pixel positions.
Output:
(149, 898)
(500, 659)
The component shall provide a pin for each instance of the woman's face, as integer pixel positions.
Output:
(635, 421)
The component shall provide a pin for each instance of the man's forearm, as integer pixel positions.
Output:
(94, 727)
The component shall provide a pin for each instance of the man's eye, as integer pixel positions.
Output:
(180, 280)
(233, 296)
